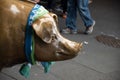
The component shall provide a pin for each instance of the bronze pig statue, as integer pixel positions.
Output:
(49, 44)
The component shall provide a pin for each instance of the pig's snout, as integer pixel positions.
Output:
(71, 48)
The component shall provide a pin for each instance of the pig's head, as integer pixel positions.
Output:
(50, 45)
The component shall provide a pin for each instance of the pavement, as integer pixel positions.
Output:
(96, 61)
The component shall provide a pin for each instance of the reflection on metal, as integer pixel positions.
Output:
(108, 40)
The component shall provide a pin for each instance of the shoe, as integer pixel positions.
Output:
(69, 31)
(89, 30)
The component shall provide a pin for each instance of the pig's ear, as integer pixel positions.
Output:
(54, 17)
(43, 30)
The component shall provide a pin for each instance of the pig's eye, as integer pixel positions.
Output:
(54, 37)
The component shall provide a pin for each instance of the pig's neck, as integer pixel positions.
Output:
(13, 26)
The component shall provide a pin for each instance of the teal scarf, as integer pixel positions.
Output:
(36, 12)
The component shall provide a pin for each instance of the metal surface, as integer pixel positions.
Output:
(108, 40)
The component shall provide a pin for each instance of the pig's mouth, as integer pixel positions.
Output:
(64, 55)
(61, 53)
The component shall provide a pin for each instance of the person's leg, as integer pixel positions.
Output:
(64, 5)
(71, 17)
(85, 15)
(84, 12)
(71, 14)
(51, 4)
(64, 8)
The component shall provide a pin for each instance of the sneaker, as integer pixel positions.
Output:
(69, 31)
(89, 30)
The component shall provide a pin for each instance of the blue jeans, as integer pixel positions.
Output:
(82, 6)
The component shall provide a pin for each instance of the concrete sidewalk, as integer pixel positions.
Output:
(96, 60)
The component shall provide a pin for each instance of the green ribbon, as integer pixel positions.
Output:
(36, 12)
